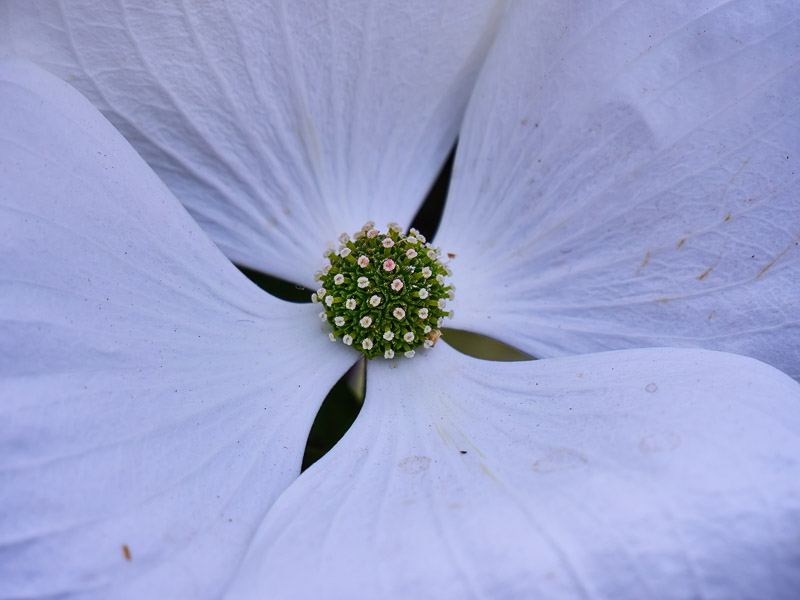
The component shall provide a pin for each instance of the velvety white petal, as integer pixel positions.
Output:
(654, 473)
(278, 124)
(628, 176)
(154, 401)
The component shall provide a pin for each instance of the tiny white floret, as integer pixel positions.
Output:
(363, 282)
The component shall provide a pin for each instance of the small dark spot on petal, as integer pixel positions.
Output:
(126, 552)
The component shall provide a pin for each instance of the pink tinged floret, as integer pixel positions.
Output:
(363, 261)
(388, 265)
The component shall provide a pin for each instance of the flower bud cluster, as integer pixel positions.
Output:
(384, 294)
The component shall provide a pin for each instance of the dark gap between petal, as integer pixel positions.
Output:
(337, 413)
(481, 346)
(430, 213)
(280, 288)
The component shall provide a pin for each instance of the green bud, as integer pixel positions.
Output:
(384, 294)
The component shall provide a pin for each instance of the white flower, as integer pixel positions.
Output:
(625, 178)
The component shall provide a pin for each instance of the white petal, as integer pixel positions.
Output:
(628, 176)
(278, 124)
(634, 474)
(155, 402)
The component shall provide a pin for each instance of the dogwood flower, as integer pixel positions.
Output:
(156, 402)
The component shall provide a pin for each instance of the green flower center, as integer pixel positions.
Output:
(384, 294)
